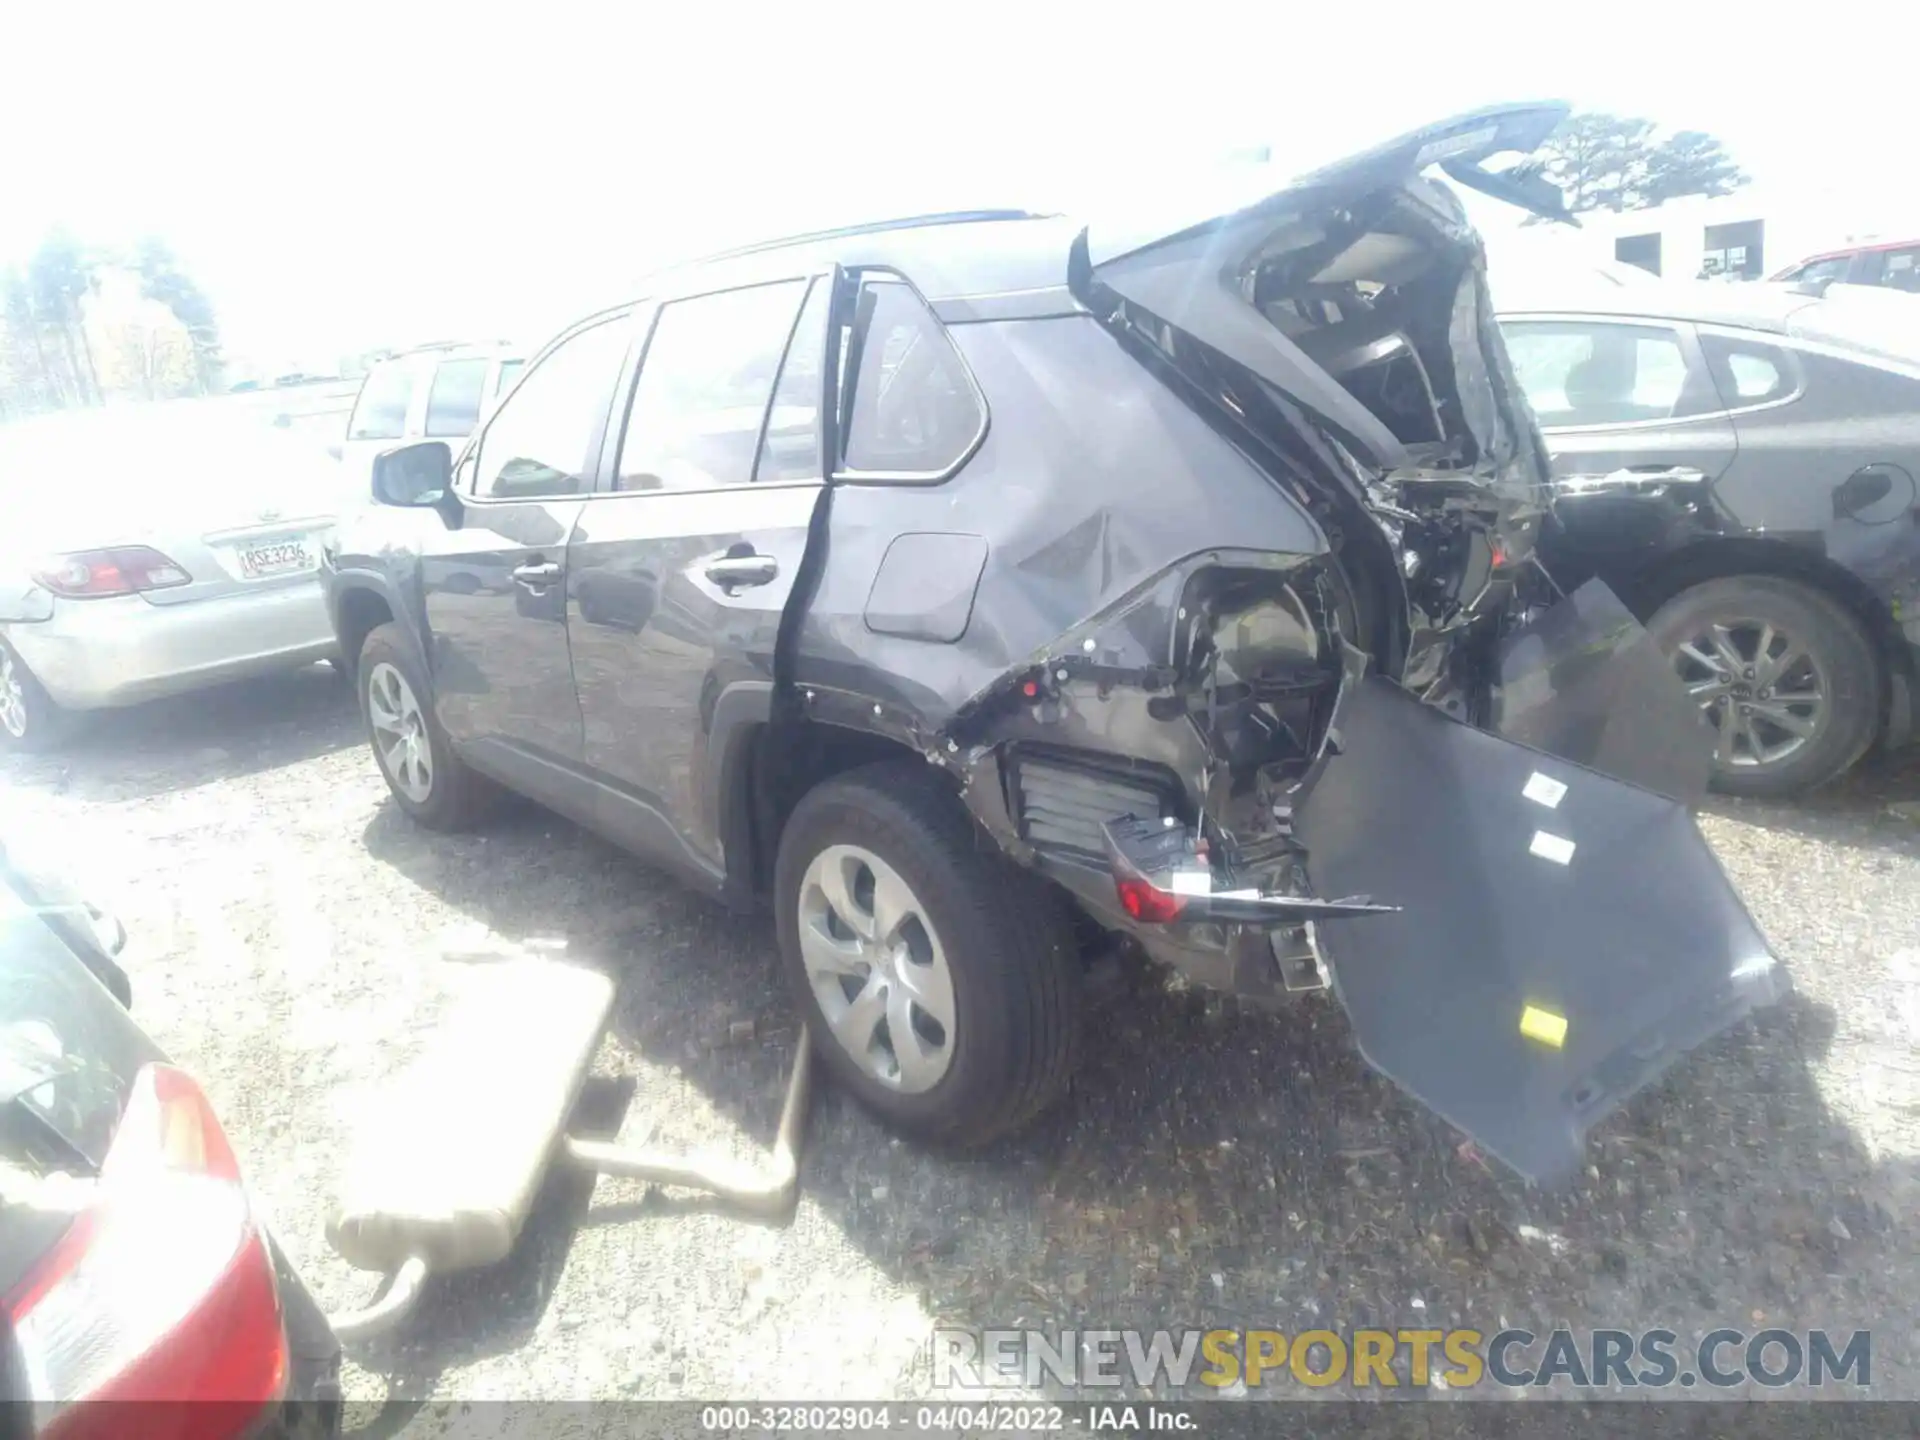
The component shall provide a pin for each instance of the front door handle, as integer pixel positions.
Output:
(538, 575)
(740, 571)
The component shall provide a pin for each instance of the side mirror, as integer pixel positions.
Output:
(337, 451)
(418, 476)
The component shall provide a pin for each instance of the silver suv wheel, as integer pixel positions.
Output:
(400, 733)
(877, 968)
(13, 698)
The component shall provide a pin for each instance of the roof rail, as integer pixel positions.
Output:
(874, 227)
(437, 346)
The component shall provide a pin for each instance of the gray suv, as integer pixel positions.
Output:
(962, 587)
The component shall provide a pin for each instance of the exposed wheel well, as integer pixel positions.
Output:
(1650, 587)
(360, 612)
(783, 764)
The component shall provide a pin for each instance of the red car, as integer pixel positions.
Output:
(1894, 264)
(139, 1292)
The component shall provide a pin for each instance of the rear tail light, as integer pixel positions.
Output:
(1145, 856)
(93, 574)
(162, 1293)
(1146, 902)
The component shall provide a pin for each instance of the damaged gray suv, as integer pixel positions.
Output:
(964, 585)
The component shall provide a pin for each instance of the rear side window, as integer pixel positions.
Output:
(453, 404)
(380, 412)
(1580, 373)
(1903, 269)
(1746, 373)
(915, 411)
(695, 419)
(538, 441)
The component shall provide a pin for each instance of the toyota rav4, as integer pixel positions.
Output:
(964, 584)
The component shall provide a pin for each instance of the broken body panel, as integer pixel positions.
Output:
(1136, 625)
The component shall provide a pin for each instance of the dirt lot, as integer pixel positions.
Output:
(1212, 1166)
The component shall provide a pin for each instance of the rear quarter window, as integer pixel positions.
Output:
(1747, 373)
(915, 411)
(380, 412)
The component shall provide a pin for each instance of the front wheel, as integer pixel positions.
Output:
(938, 980)
(1786, 678)
(428, 780)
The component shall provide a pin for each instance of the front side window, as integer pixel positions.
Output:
(697, 410)
(915, 410)
(537, 444)
(453, 402)
(380, 412)
(508, 369)
(1818, 270)
(1580, 373)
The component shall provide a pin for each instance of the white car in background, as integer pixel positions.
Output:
(434, 393)
(153, 550)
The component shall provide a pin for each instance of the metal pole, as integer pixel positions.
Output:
(768, 1188)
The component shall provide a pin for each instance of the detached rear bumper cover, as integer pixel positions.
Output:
(1564, 936)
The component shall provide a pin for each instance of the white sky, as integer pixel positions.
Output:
(383, 174)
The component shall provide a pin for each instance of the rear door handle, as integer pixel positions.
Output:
(740, 571)
(545, 572)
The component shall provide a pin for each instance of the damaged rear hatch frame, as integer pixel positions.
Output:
(1485, 849)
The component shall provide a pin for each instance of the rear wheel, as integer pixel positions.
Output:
(939, 981)
(428, 780)
(1786, 677)
(29, 720)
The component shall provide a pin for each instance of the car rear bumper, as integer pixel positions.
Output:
(96, 654)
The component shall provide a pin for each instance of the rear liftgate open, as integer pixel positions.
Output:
(448, 1165)
(1559, 935)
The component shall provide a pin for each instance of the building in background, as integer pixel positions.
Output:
(1756, 232)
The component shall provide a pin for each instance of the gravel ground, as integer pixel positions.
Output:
(1213, 1166)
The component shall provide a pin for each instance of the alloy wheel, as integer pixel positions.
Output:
(877, 968)
(13, 698)
(400, 732)
(1765, 693)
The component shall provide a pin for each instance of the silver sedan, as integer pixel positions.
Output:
(153, 551)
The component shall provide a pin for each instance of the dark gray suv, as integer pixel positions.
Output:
(964, 585)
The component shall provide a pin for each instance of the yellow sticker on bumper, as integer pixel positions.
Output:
(1544, 1026)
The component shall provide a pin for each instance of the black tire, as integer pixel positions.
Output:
(1014, 972)
(457, 795)
(1840, 647)
(45, 725)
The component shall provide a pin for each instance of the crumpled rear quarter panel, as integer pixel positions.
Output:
(1093, 478)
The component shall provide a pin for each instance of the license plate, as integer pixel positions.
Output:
(283, 557)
